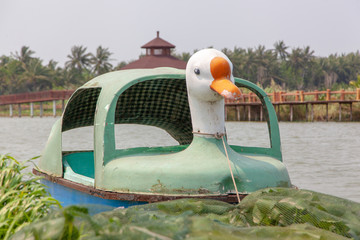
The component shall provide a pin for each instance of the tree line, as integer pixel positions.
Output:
(295, 68)
(22, 72)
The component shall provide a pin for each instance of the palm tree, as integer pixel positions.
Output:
(56, 74)
(78, 67)
(308, 55)
(9, 73)
(24, 56)
(185, 56)
(266, 62)
(120, 65)
(299, 63)
(329, 67)
(296, 63)
(350, 66)
(249, 65)
(280, 50)
(4, 60)
(101, 61)
(36, 77)
(79, 59)
(237, 57)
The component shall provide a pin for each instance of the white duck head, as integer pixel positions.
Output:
(209, 80)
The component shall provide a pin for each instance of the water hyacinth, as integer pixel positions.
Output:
(178, 219)
(274, 213)
(23, 199)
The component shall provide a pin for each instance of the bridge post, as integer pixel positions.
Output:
(316, 95)
(19, 110)
(327, 94)
(41, 109)
(226, 112)
(278, 112)
(342, 95)
(302, 96)
(274, 96)
(54, 108)
(11, 110)
(31, 109)
(291, 112)
(339, 112)
(327, 112)
(244, 111)
(238, 113)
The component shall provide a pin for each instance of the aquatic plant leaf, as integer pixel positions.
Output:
(22, 201)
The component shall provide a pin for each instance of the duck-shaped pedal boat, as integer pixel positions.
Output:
(190, 107)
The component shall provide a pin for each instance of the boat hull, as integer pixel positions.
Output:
(70, 193)
(69, 196)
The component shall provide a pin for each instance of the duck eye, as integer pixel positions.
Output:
(197, 71)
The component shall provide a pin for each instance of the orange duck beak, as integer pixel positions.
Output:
(221, 72)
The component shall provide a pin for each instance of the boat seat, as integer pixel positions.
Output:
(79, 167)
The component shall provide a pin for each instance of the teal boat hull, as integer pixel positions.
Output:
(72, 193)
(68, 196)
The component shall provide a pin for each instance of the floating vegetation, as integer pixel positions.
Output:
(276, 213)
(22, 198)
(28, 212)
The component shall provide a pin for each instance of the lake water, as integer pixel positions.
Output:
(323, 157)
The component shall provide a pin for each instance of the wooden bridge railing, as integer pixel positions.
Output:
(35, 97)
(42, 96)
(277, 98)
(298, 98)
(301, 96)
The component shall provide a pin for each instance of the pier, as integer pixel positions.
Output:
(249, 104)
(247, 108)
(35, 100)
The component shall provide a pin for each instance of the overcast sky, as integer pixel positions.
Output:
(52, 27)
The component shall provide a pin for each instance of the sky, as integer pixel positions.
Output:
(52, 27)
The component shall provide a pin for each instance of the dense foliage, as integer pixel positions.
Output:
(22, 198)
(296, 68)
(267, 214)
(293, 69)
(22, 72)
(28, 212)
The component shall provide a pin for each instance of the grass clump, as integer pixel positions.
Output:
(23, 199)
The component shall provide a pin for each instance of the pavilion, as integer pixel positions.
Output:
(158, 54)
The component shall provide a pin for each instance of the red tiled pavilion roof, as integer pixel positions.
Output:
(158, 43)
(156, 61)
(158, 54)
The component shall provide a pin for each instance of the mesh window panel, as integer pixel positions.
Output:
(162, 103)
(80, 110)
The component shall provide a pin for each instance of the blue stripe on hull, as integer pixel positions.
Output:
(68, 196)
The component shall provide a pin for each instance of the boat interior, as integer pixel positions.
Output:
(162, 103)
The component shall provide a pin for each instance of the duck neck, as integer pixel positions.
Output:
(207, 117)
